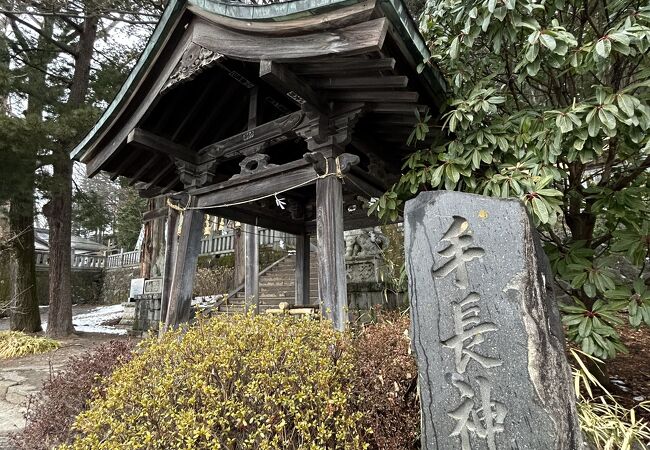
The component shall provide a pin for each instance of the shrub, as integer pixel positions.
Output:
(213, 281)
(50, 416)
(231, 382)
(17, 343)
(386, 383)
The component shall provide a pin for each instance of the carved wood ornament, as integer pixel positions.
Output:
(195, 60)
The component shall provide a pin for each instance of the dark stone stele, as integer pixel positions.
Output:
(485, 327)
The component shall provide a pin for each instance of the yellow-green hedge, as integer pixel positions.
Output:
(17, 343)
(231, 383)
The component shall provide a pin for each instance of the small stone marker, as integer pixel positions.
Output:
(485, 327)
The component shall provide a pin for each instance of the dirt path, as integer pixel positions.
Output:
(22, 377)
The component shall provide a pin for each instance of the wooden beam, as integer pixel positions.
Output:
(159, 177)
(143, 169)
(126, 162)
(148, 140)
(355, 39)
(189, 116)
(392, 108)
(231, 147)
(333, 66)
(96, 159)
(210, 121)
(189, 247)
(399, 119)
(265, 220)
(285, 81)
(171, 185)
(262, 186)
(359, 185)
(374, 96)
(388, 82)
(155, 214)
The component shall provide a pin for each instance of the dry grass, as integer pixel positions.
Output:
(604, 421)
(15, 343)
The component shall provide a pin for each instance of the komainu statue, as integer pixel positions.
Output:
(365, 242)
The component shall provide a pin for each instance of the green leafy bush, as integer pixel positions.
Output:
(17, 343)
(242, 382)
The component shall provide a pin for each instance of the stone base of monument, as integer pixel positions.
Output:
(147, 314)
(365, 297)
(128, 313)
(485, 328)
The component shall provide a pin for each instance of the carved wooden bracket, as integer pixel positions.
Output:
(195, 175)
(194, 61)
(333, 133)
(254, 164)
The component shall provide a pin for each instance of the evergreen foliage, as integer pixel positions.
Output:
(549, 103)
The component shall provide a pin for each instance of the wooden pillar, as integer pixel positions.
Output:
(302, 269)
(331, 250)
(252, 259)
(238, 251)
(189, 247)
(170, 254)
(251, 240)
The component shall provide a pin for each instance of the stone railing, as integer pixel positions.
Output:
(214, 244)
(218, 244)
(124, 259)
(78, 262)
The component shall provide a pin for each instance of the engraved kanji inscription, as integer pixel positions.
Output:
(460, 252)
(483, 420)
(468, 333)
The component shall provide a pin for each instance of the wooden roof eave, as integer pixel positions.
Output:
(400, 24)
(157, 41)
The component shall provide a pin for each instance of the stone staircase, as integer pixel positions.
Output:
(277, 285)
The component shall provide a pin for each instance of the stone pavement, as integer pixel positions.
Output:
(23, 377)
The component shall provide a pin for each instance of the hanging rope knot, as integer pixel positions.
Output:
(338, 173)
(176, 207)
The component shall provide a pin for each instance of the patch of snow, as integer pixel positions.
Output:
(91, 322)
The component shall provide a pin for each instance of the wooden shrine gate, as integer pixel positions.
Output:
(290, 116)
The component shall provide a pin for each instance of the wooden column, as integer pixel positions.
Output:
(170, 254)
(189, 247)
(240, 262)
(302, 269)
(251, 243)
(331, 250)
(252, 259)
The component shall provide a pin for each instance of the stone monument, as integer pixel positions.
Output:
(485, 328)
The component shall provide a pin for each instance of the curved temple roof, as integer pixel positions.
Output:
(265, 20)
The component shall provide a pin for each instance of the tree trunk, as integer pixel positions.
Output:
(59, 216)
(59, 209)
(24, 314)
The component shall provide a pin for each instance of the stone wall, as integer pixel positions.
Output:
(86, 286)
(117, 283)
